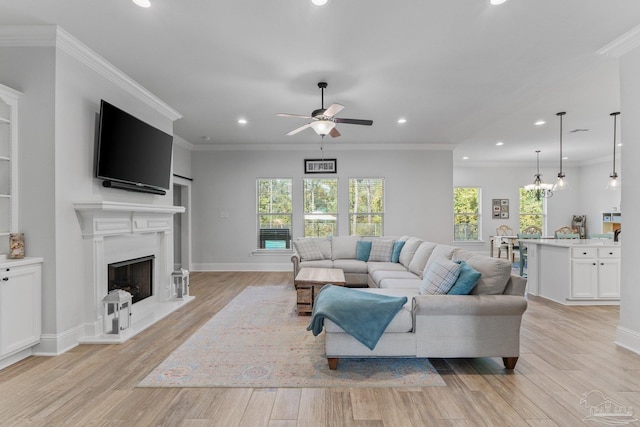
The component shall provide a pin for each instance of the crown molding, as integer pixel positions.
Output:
(54, 36)
(316, 147)
(623, 44)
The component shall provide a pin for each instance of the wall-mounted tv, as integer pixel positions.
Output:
(132, 154)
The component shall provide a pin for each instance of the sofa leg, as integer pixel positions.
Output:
(510, 362)
(333, 363)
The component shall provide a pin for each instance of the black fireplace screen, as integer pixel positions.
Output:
(134, 276)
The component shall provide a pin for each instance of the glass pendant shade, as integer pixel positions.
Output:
(614, 179)
(323, 127)
(561, 183)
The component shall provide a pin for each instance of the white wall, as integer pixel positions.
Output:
(629, 329)
(418, 187)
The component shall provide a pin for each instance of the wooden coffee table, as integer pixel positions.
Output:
(309, 281)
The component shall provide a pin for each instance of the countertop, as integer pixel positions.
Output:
(569, 243)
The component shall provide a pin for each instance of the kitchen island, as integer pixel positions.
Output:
(574, 271)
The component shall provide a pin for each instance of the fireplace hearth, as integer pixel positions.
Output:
(134, 276)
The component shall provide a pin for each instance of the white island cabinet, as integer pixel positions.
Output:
(20, 308)
(574, 272)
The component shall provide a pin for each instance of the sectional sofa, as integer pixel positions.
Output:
(484, 323)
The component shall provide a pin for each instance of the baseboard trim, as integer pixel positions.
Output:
(628, 338)
(56, 344)
(241, 267)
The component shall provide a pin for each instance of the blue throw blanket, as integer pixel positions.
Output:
(363, 315)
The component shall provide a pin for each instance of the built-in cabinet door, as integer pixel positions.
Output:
(20, 308)
(584, 278)
(609, 278)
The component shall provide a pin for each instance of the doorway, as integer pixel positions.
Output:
(182, 224)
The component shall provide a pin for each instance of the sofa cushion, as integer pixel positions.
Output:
(409, 250)
(421, 257)
(467, 280)
(344, 247)
(401, 323)
(394, 283)
(495, 273)
(375, 266)
(308, 249)
(351, 265)
(397, 247)
(324, 243)
(439, 277)
(363, 249)
(378, 275)
(381, 250)
(322, 263)
(441, 251)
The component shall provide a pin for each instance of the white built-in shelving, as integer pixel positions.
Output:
(8, 165)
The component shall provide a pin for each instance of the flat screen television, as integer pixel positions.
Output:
(132, 154)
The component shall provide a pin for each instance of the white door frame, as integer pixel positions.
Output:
(184, 186)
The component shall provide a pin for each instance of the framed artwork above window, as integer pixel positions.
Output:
(320, 166)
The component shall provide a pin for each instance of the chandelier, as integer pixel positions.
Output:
(539, 188)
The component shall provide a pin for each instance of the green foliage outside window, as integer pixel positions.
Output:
(275, 210)
(531, 210)
(366, 206)
(320, 207)
(466, 213)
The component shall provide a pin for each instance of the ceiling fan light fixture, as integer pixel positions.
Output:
(322, 127)
(142, 3)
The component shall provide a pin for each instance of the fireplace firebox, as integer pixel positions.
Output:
(134, 276)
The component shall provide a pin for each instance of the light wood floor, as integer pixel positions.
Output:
(566, 352)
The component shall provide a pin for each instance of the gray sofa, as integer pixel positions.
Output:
(485, 323)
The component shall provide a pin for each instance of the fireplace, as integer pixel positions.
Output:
(134, 276)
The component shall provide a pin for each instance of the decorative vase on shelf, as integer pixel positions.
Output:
(16, 245)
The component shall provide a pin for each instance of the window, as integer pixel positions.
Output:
(532, 211)
(366, 206)
(320, 207)
(466, 213)
(275, 210)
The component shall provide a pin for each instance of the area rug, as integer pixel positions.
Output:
(258, 340)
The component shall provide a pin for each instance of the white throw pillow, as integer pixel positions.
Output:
(422, 255)
(409, 250)
(381, 250)
(440, 277)
(308, 250)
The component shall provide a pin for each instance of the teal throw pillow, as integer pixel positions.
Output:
(467, 280)
(363, 249)
(397, 247)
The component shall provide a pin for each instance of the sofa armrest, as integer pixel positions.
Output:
(470, 305)
(295, 259)
(515, 286)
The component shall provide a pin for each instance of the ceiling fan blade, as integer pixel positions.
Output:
(354, 121)
(333, 110)
(293, 115)
(334, 133)
(300, 129)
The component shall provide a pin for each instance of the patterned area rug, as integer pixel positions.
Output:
(258, 340)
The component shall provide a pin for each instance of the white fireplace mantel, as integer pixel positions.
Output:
(116, 231)
(117, 218)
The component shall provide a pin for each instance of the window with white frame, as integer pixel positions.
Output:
(366, 206)
(466, 214)
(320, 207)
(532, 210)
(275, 211)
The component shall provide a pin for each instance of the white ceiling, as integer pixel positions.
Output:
(461, 72)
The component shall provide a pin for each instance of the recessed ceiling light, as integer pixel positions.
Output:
(402, 121)
(499, 143)
(619, 144)
(565, 158)
(465, 158)
(540, 123)
(319, 2)
(242, 121)
(497, 2)
(142, 3)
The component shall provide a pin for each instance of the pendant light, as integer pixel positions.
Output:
(561, 183)
(614, 181)
(539, 188)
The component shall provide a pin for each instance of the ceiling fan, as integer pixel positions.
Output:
(323, 120)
